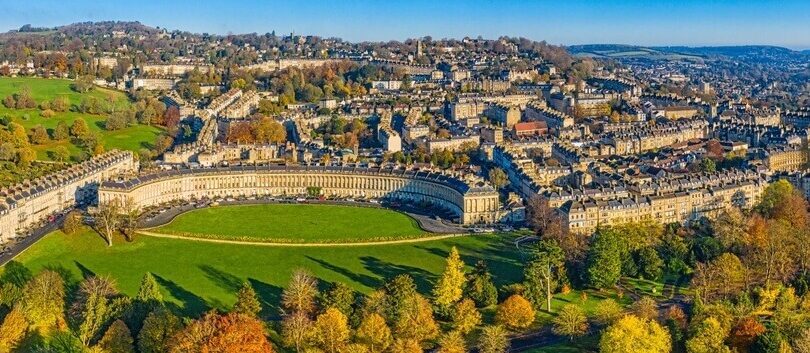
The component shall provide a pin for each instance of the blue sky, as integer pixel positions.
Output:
(665, 22)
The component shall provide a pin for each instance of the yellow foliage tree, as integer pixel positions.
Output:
(451, 342)
(332, 330)
(450, 287)
(12, 330)
(631, 334)
(515, 312)
(465, 316)
(416, 321)
(374, 333)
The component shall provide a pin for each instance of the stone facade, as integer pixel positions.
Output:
(677, 207)
(471, 201)
(26, 204)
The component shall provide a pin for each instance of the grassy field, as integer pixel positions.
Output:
(131, 138)
(294, 223)
(197, 275)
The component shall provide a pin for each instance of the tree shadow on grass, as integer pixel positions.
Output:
(221, 278)
(193, 305)
(16, 273)
(502, 261)
(86, 272)
(270, 298)
(364, 280)
(387, 270)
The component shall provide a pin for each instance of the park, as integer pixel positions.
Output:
(197, 275)
(133, 138)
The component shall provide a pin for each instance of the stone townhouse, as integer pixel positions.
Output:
(25, 204)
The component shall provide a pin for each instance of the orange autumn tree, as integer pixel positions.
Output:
(745, 332)
(215, 333)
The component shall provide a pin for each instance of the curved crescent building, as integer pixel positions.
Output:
(472, 202)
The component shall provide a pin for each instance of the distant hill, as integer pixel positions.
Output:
(621, 51)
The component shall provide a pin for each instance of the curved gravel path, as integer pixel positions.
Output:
(258, 243)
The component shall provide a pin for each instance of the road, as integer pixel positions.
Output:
(24, 243)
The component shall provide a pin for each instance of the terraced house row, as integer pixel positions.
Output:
(676, 207)
(469, 198)
(617, 199)
(26, 204)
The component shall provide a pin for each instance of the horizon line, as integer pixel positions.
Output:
(797, 48)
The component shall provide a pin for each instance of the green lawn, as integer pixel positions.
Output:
(294, 223)
(131, 138)
(197, 275)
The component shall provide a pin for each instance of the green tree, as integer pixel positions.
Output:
(61, 132)
(246, 301)
(149, 290)
(774, 195)
(707, 165)
(450, 287)
(772, 341)
(480, 287)
(493, 339)
(650, 265)
(400, 296)
(117, 339)
(94, 307)
(607, 312)
(341, 297)
(158, 328)
(60, 153)
(730, 227)
(147, 300)
(543, 273)
(570, 321)
(604, 263)
(708, 338)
